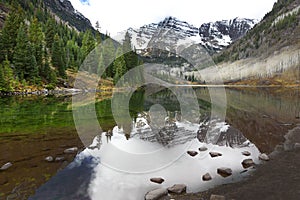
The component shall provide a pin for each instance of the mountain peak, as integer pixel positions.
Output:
(214, 36)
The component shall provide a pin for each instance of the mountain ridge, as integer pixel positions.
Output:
(213, 36)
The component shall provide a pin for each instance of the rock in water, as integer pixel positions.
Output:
(192, 153)
(49, 159)
(264, 157)
(216, 197)
(60, 159)
(202, 149)
(248, 163)
(157, 180)
(177, 189)
(223, 171)
(206, 177)
(6, 166)
(215, 154)
(156, 194)
(71, 150)
(246, 153)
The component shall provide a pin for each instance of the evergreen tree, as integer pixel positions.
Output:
(108, 53)
(57, 59)
(50, 32)
(119, 65)
(21, 57)
(88, 43)
(9, 33)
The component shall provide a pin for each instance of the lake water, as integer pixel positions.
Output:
(148, 137)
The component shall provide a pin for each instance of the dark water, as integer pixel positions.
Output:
(32, 128)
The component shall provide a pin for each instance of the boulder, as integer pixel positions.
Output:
(264, 157)
(71, 150)
(247, 163)
(6, 166)
(206, 177)
(156, 194)
(216, 197)
(177, 189)
(203, 149)
(157, 180)
(224, 172)
(215, 154)
(246, 153)
(49, 159)
(192, 153)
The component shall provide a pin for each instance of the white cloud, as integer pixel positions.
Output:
(117, 15)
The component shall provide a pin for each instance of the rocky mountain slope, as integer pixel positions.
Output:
(214, 36)
(269, 53)
(65, 11)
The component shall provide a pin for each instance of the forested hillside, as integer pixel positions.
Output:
(38, 48)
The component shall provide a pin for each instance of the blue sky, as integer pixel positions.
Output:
(118, 15)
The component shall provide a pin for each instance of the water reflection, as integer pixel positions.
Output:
(125, 165)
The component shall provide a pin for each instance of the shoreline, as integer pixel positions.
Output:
(277, 178)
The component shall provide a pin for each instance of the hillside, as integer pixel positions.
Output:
(269, 53)
(43, 43)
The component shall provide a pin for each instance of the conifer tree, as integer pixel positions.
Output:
(119, 65)
(57, 59)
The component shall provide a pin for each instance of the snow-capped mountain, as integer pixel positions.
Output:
(213, 36)
(217, 35)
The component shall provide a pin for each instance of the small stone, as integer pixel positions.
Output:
(71, 150)
(202, 149)
(264, 157)
(157, 180)
(6, 166)
(156, 194)
(206, 177)
(49, 159)
(192, 153)
(177, 189)
(60, 159)
(246, 153)
(216, 197)
(215, 154)
(224, 172)
(247, 163)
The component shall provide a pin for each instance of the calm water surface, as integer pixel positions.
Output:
(32, 128)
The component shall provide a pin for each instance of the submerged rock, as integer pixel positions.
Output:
(203, 149)
(177, 189)
(264, 157)
(71, 150)
(215, 154)
(216, 197)
(49, 159)
(156, 194)
(206, 177)
(192, 153)
(6, 166)
(248, 163)
(224, 172)
(157, 180)
(246, 153)
(60, 159)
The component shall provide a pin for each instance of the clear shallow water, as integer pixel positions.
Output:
(262, 117)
